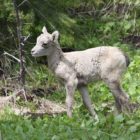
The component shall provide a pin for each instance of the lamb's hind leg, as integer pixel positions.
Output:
(86, 100)
(121, 98)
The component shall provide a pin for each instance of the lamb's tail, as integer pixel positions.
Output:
(127, 60)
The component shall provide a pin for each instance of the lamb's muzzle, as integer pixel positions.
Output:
(77, 69)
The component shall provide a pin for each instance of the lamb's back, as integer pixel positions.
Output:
(87, 63)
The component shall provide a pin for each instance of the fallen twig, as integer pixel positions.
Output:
(18, 60)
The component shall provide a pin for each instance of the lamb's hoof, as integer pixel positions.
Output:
(95, 117)
(69, 114)
(126, 106)
(134, 106)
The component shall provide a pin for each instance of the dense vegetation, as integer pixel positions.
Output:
(82, 24)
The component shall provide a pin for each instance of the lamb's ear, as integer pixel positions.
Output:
(55, 35)
(44, 30)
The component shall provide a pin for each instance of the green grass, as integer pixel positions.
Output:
(81, 126)
(79, 32)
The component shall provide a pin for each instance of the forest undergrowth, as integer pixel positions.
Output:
(82, 25)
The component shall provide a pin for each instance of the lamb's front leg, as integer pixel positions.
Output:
(70, 89)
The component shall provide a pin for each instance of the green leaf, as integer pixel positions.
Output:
(127, 26)
(133, 129)
(130, 122)
(119, 118)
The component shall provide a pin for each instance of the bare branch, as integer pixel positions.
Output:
(22, 3)
(20, 44)
(17, 59)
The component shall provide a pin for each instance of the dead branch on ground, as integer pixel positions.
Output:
(44, 106)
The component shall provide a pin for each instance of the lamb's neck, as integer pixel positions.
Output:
(55, 57)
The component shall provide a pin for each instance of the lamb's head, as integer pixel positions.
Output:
(44, 43)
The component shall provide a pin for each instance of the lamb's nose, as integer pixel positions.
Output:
(32, 51)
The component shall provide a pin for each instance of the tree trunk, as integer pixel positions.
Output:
(20, 45)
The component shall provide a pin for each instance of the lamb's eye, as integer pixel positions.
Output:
(44, 45)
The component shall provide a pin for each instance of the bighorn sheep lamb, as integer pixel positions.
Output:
(77, 69)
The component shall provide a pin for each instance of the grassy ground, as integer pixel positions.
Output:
(81, 126)
(111, 25)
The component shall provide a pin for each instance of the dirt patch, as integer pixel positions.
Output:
(133, 39)
(42, 106)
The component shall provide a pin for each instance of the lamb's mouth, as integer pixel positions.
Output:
(35, 54)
